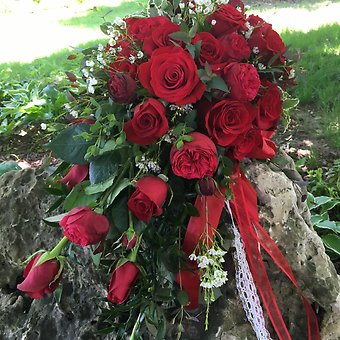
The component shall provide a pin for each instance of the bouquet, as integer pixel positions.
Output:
(159, 126)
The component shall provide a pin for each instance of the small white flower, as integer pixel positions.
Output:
(261, 66)
(213, 22)
(181, 5)
(192, 257)
(140, 55)
(74, 113)
(89, 63)
(256, 50)
(100, 47)
(291, 74)
(43, 126)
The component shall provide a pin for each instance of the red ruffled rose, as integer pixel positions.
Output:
(159, 37)
(228, 19)
(122, 88)
(84, 227)
(171, 74)
(76, 175)
(121, 282)
(211, 49)
(243, 81)
(148, 199)
(195, 159)
(40, 280)
(227, 119)
(270, 107)
(148, 123)
(235, 47)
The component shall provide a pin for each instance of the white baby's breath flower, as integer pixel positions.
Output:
(213, 22)
(43, 126)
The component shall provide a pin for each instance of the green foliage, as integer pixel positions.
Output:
(8, 166)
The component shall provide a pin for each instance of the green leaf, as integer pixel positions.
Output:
(217, 83)
(182, 298)
(8, 166)
(110, 145)
(331, 225)
(124, 183)
(104, 167)
(69, 145)
(52, 220)
(100, 187)
(78, 197)
(119, 212)
(319, 201)
(181, 36)
(58, 293)
(332, 242)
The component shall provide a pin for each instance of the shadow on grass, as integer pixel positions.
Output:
(263, 5)
(98, 15)
(318, 74)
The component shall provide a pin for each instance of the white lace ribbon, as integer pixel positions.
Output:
(246, 286)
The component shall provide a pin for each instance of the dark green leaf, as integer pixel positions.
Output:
(100, 187)
(119, 212)
(58, 293)
(182, 298)
(103, 167)
(180, 36)
(69, 145)
(8, 166)
(52, 220)
(332, 242)
(217, 83)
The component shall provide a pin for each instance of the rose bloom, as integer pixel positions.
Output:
(268, 42)
(228, 19)
(123, 66)
(122, 88)
(121, 282)
(149, 197)
(243, 81)
(254, 144)
(270, 106)
(235, 47)
(195, 159)
(140, 28)
(227, 119)
(148, 123)
(40, 280)
(76, 175)
(171, 74)
(84, 227)
(159, 37)
(211, 49)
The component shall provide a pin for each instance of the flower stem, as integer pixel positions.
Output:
(59, 247)
(135, 327)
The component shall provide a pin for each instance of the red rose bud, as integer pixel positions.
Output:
(121, 282)
(129, 244)
(84, 227)
(76, 175)
(148, 123)
(196, 159)
(148, 199)
(243, 81)
(41, 279)
(207, 186)
(122, 88)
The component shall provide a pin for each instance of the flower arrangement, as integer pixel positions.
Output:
(151, 159)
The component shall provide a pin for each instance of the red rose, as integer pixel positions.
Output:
(140, 28)
(235, 47)
(76, 175)
(40, 280)
(211, 49)
(123, 66)
(121, 282)
(159, 37)
(268, 42)
(122, 88)
(228, 19)
(254, 144)
(227, 119)
(84, 227)
(195, 159)
(129, 244)
(148, 123)
(270, 107)
(243, 81)
(171, 74)
(255, 20)
(148, 199)
(122, 47)
(207, 186)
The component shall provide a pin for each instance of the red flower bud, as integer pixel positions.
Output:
(122, 88)
(207, 186)
(76, 175)
(129, 244)
(121, 282)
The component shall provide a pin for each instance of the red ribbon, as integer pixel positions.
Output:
(252, 233)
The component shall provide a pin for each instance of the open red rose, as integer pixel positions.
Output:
(227, 119)
(76, 175)
(159, 37)
(211, 49)
(148, 123)
(171, 74)
(195, 159)
(268, 42)
(84, 227)
(121, 282)
(122, 88)
(140, 28)
(235, 47)
(243, 81)
(270, 107)
(149, 197)
(124, 66)
(228, 19)
(40, 280)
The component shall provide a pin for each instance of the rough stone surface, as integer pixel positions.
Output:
(282, 213)
(23, 203)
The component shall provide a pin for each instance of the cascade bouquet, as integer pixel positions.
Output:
(152, 153)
